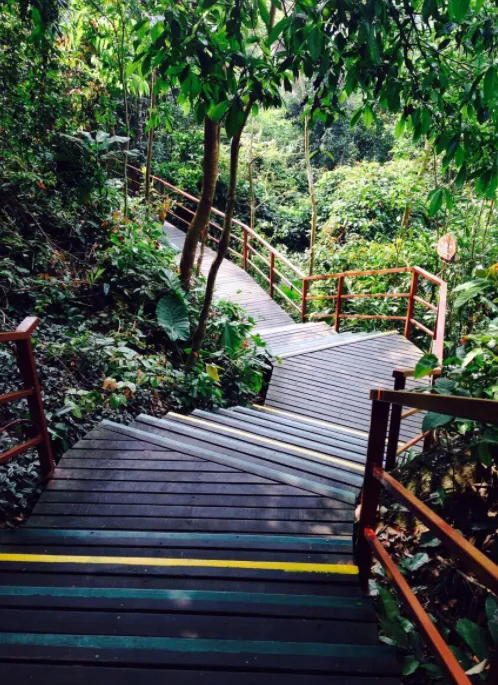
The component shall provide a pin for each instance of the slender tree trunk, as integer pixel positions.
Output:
(250, 174)
(311, 186)
(223, 245)
(150, 139)
(121, 39)
(425, 163)
(201, 217)
(202, 250)
(273, 13)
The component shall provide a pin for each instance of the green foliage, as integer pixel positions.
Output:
(172, 316)
(368, 200)
(436, 73)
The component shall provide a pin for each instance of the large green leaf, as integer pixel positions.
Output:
(425, 365)
(433, 420)
(172, 316)
(474, 636)
(492, 616)
(458, 9)
(467, 291)
(231, 337)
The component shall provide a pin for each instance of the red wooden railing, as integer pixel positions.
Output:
(250, 248)
(376, 478)
(31, 392)
(412, 297)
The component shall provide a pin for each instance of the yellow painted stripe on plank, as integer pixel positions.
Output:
(308, 419)
(270, 441)
(289, 566)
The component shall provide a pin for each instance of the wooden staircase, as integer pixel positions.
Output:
(189, 551)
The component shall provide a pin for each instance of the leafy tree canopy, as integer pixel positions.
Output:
(431, 63)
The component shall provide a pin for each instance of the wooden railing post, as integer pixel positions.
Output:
(304, 300)
(272, 272)
(394, 423)
(337, 320)
(411, 304)
(244, 253)
(371, 487)
(27, 367)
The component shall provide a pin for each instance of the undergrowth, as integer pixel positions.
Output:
(104, 349)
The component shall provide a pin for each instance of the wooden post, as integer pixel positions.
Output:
(371, 487)
(411, 304)
(304, 300)
(337, 321)
(272, 272)
(27, 367)
(245, 250)
(395, 423)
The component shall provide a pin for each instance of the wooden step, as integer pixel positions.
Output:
(298, 434)
(339, 483)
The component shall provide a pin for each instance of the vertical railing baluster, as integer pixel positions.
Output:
(371, 487)
(337, 320)
(245, 250)
(304, 299)
(411, 304)
(27, 367)
(394, 423)
(272, 272)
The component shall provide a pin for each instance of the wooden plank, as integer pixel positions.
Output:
(218, 489)
(214, 626)
(250, 655)
(186, 540)
(41, 674)
(212, 525)
(192, 512)
(332, 608)
(269, 584)
(190, 477)
(143, 464)
(293, 556)
(249, 501)
(145, 454)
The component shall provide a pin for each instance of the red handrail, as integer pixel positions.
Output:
(253, 245)
(437, 335)
(377, 478)
(32, 393)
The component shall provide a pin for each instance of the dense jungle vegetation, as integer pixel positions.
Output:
(378, 120)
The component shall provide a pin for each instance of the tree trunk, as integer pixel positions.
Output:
(311, 186)
(150, 140)
(201, 217)
(273, 14)
(423, 168)
(202, 249)
(223, 245)
(252, 195)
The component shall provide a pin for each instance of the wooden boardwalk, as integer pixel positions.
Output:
(234, 284)
(213, 548)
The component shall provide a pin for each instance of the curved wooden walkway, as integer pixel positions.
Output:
(213, 548)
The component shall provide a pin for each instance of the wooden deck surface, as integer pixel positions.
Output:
(333, 385)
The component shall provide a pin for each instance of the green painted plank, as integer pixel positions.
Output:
(169, 644)
(12, 536)
(185, 596)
